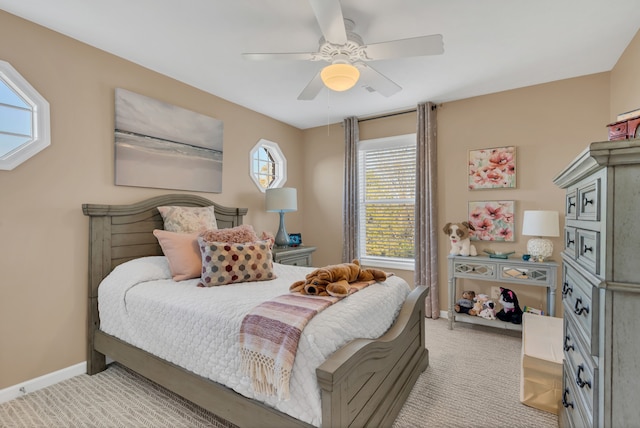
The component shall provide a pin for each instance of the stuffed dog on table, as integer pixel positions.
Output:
(334, 280)
(458, 234)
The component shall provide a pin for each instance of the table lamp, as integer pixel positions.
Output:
(539, 224)
(282, 200)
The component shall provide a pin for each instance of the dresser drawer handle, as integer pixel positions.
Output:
(566, 403)
(579, 381)
(586, 201)
(587, 249)
(579, 309)
(570, 241)
(572, 204)
(566, 289)
(568, 347)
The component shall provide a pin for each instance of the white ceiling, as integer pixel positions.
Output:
(489, 46)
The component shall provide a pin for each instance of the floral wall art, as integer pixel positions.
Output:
(492, 168)
(492, 220)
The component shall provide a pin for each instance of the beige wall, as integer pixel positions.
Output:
(625, 85)
(43, 234)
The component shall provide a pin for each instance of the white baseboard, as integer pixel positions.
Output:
(49, 379)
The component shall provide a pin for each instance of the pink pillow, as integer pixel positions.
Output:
(238, 235)
(182, 252)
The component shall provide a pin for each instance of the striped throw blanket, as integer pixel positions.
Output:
(269, 336)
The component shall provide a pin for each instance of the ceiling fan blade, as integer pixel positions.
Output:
(416, 46)
(312, 89)
(329, 16)
(292, 56)
(374, 80)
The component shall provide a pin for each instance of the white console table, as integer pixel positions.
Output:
(511, 271)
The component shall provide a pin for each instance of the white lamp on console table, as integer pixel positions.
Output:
(282, 200)
(540, 223)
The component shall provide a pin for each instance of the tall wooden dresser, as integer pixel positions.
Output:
(601, 286)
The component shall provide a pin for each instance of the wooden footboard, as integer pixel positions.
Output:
(365, 383)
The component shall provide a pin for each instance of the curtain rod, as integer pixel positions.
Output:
(381, 116)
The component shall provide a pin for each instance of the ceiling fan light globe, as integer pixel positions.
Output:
(340, 77)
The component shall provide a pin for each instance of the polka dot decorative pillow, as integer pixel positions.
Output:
(227, 263)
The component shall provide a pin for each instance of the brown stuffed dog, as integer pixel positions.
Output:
(334, 280)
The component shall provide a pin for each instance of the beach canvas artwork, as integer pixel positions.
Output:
(164, 146)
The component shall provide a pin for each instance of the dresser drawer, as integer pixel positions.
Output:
(588, 201)
(570, 242)
(578, 416)
(578, 306)
(581, 367)
(588, 250)
(571, 206)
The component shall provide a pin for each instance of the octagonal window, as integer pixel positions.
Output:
(268, 166)
(24, 119)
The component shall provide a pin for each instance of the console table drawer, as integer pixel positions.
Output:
(532, 274)
(471, 269)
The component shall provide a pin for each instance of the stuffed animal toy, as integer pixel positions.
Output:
(458, 234)
(478, 304)
(488, 310)
(334, 280)
(511, 311)
(465, 304)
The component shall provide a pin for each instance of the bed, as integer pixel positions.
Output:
(364, 383)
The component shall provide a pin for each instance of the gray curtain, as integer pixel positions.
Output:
(350, 195)
(426, 215)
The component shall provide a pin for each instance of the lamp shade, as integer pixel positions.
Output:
(283, 199)
(540, 223)
(340, 77)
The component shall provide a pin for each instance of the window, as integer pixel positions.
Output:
(268, 165)
(24, 119)
(387, 180)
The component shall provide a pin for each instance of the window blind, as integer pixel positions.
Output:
(387, 198)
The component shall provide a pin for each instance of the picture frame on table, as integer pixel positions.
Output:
(295, 239)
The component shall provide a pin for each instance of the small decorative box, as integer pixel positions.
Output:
(617, 130)
(624, 129)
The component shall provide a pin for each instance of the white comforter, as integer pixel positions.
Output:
(198, 328)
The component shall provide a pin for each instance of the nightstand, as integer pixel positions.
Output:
(296, 256)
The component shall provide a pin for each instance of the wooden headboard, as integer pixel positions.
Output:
(118, 233)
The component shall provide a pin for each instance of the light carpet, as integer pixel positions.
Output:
(473, 380)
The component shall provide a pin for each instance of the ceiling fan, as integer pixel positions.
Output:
(348, 54)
